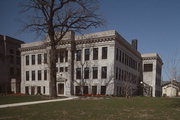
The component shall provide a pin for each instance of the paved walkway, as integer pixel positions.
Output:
(36, 102)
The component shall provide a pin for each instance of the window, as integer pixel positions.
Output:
(78, 73)
(120, 57)
(27, 90)
(39, 90)
(95, 72)
(45, 58)
(86, 73)
(27, 60)
(33, 59)
(104, 52)
(94, 90)
(45, 74)
(148, 67)
(95, 53)
(78, 90)
(39, 58)
(44, 89)
(87, 54)
(78, 55)
(66, 69)
(11, 51)
(39, 74)
(27, 75)
(104, 72)
(33, 75)
(103, 90)
(18, 60)
(61, 69)
(116, 73)
(85, 89)
(61, 56)
(117, 53)
(66, 56)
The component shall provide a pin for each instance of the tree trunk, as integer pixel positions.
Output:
(52, 65)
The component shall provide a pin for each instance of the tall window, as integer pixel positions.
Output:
(61, 56)
(148, 67)
(45, 58)
(66, 56)
(87, 54)
(104, 72)
(104, 52)
(86, 73)
(33, 59)
(95, 53)
(61, 69)
(78, 55)
(27, 75)
(39, 58)
(78, 73)
(45, 74)
(33, 75)
(27, 59)
(39, 74)
(117, 52)
(95, 72)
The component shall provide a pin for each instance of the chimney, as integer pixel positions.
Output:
(134, 44)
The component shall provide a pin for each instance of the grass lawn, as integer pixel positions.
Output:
(137, 108)
(20, 98)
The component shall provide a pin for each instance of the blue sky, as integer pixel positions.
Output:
(155, 23)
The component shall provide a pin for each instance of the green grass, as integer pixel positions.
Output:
(137, 108)
(20, 98)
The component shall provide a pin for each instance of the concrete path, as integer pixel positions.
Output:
(36, 102)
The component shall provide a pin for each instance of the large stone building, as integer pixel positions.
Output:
(104, 63)
(9, 63)
(152, 67)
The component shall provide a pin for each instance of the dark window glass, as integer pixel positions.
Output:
(103, 90)
(33, 75)
(87, 54)
(95, 53)
(94, 90)
(78, 55)
(86, 73)
(11, 51)
(78, 90)
(39, 58)
(104, 52)
(78, 73)
(18, 60)
(45, 58)
(61, 69)
(148, 67)
(39, 90)
(45, 74)
(120, 56)
(27, 90)
(33, 59)
(27, 75)
(27, 60)
(44, 89)
(61, 56)
(85, 89)
(116, 73)
(66, 69)
(39, 74)
(95, 72)
(66, 56)
(104, 72)
(117, 52)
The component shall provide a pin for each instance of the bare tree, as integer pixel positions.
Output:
(173, 67)
(55, 18)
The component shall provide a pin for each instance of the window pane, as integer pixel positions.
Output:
(78, 73)
(95, 53)
(104, 53)
(45, 74)
(87, 54)
(86, 73)
(39, 74)
(33, 75)
(148, 67)
(27, 60)
(78, 55)
(45, 58)
(95, 72)
(39, 58)
(33, 59)
(104, 72)
(27, 75)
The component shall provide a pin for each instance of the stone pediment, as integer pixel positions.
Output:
(60, 78)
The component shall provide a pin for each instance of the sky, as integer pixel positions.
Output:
(155, 23)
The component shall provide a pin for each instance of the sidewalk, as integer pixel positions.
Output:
(36, 102)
